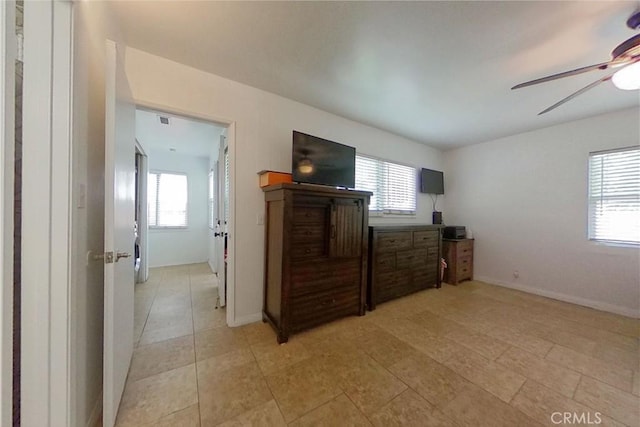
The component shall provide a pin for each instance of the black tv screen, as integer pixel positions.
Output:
(431, 181)
(320, 161)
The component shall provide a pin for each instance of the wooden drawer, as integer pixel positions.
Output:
(394, 286)
(464, 248)
(386, 279)
(320, 307)
(393, 241)
(410, 259)
(425, 277)
(463, 273)
(318, 275)
(423, 239)
(310, 214)
(310, 249)
(465, 261)
(464, 268)
(303, 233)
(385, 262)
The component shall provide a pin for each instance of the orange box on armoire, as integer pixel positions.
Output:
(271, 177)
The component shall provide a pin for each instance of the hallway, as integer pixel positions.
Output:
(176, 323)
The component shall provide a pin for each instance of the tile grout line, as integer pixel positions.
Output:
(359, 410)
(583, 374)
(195, 358)
(146, 319)
(517, 392)
(264, 378)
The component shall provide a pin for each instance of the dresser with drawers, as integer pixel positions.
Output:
(458, 254)
(402, 259)
(315, 255)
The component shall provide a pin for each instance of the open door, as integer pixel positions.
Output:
(118, 232)
(221, 226)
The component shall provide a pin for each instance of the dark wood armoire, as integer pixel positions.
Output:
(315, 255)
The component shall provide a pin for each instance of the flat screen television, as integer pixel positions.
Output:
(320, 161)
(431, 181)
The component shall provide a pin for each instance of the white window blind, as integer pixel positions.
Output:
(226, 185)
(614, 196)
(393, 185)
(212, 195)
(167, 199)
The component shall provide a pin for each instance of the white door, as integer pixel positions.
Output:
(118, 232)
(221, 228)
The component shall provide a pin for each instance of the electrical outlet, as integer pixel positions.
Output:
(516, 274)
(260, 218)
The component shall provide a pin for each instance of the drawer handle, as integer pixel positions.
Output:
(308, 250)
(308, 233)
(328, 302)
(392, 240)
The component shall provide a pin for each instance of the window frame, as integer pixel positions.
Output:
(374, 211)
(591, 226)
(186, 212)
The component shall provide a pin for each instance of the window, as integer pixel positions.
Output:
(393, 185)
(167, 199)
(212, 195)
(226, 185)
(614, 196)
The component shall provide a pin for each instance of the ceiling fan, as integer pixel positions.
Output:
(625, 58)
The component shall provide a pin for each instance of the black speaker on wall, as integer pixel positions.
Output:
(437, 217)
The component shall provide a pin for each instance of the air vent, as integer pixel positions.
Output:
(164, 120)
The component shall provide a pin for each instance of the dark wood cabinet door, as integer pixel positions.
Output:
(345, 234)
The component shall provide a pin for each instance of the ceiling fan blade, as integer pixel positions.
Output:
(602, 66)
(579, 92)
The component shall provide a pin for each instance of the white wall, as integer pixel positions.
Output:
(525, 198)
(262, 141)
(184, 245)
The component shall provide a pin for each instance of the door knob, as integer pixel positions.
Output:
(122, 255)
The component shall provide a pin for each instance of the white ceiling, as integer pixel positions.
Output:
(435, 72)
(185, 136)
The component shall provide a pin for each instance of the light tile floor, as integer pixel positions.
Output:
(472, 354)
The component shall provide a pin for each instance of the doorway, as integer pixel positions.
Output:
(184, 205)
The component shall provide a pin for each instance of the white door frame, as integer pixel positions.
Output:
(223, 150)
(8, 44)
(231, 141)
(46, 372)
(143, 220)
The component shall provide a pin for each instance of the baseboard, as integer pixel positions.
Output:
(245, 320)
(179, 263)
(95, 419)
(610, 308)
